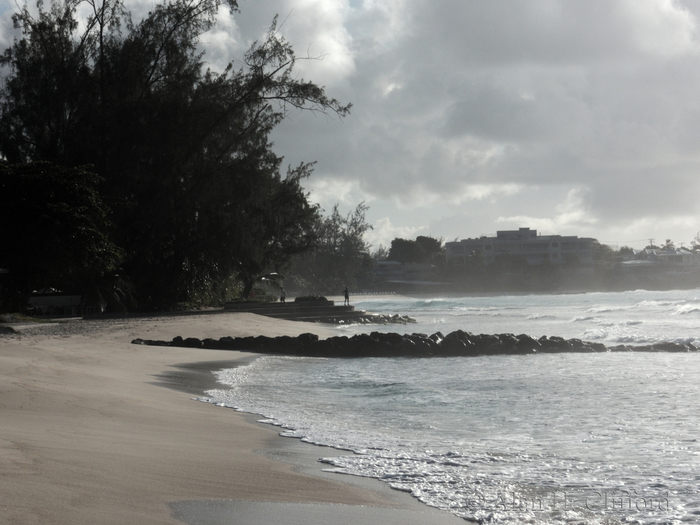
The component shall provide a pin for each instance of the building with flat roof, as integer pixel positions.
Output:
(534, 248)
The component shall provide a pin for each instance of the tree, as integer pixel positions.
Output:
(57, 231)
(405, 251)
(625, 251)
(426, 250)
(286, 231)
(189, 172)
(341, 255)
(433, 249)
(381, 253)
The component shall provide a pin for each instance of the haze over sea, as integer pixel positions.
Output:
(551, 438)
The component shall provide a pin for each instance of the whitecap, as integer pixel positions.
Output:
(537, 317)
(687, 309)
(595, 334)
(583, 319)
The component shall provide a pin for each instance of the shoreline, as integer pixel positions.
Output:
(90, 435)
(196, 378)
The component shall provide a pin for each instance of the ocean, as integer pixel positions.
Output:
(598, 438)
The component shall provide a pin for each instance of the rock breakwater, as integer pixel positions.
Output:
(375, 344)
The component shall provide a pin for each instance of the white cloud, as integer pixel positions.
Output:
(679, 228)
(483, 111)
(224, 42)
(317, 30)
(570, 215)
(573, 211)
(425, 196)
(384, 232)
(329, 192)
(662, 27)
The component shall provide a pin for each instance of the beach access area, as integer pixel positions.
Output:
(96, 430)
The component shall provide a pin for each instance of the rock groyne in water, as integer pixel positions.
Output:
(375, 344)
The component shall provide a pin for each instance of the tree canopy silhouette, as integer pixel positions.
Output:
(341, 257)
(55, 229)
(196, 192)
(421, 250)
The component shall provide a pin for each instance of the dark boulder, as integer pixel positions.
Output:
(509, 344)
(437, 337)
(554, 344)
(262, 342)
(487, 344)
(423, 344)
(210, 344)
(620, 348)
(576, 345)
(406, 347)
(452, 346)
(596, 347)
(526, 344)
(363, 342)
(460, 335)
(228, 343)
(192, 342)
(286, 345)
(671, 347)
(308, 340)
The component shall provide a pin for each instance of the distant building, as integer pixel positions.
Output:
(524, 242)
(667, 259)
(389, 271)
(405, 277)
(394, 271)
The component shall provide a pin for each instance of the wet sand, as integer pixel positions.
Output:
(95, 430)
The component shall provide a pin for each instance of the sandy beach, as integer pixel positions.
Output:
(96, 430)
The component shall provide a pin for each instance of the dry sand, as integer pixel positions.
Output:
(89, 434)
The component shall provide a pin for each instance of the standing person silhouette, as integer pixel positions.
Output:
(346, 295)
(283, 295)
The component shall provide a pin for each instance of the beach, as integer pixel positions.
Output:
(98, 430)
(565, 437)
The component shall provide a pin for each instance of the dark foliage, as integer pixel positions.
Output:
(55, 229)
(424, 249)
(341, 256)
(195, 190)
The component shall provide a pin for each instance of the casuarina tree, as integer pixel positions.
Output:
(196, 193)
(55, 230)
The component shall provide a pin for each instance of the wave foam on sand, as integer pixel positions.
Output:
(89, 435)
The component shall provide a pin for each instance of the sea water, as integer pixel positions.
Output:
(553, 438)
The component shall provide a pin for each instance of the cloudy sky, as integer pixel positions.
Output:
(472, 116)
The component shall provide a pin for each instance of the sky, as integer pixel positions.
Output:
(473, 116)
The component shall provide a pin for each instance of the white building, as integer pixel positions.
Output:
(526, 243)
(668, 259)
